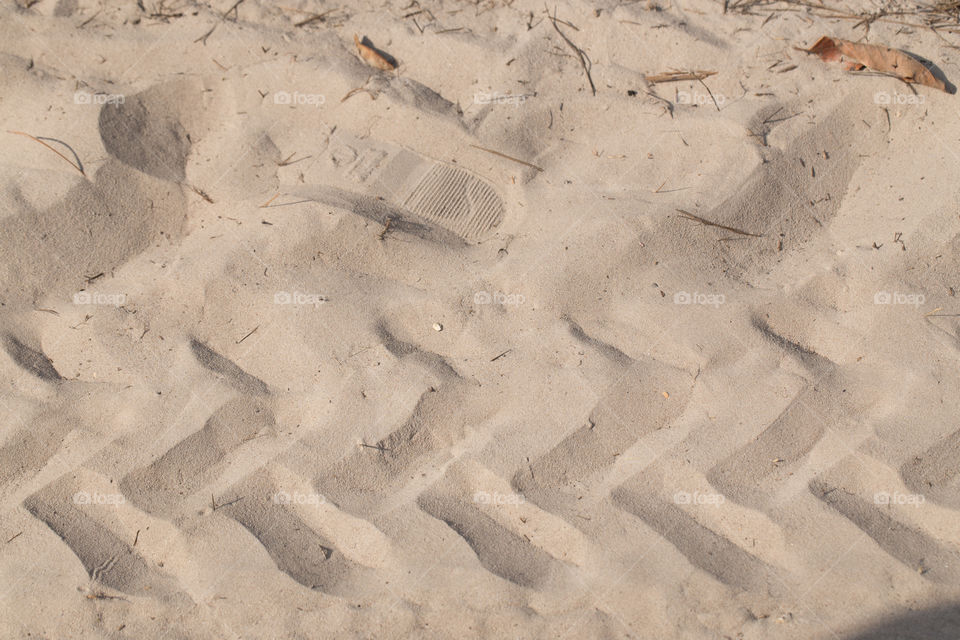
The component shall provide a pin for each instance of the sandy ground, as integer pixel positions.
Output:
(295, 355)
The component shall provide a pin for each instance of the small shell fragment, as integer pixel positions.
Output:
(437, 326)
(371, 57)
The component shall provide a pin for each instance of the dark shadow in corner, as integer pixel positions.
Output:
(938, 623)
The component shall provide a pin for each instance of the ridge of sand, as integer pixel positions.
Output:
(297, 356)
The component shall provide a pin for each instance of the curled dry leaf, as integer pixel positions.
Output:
(856, 56)
(371, 57)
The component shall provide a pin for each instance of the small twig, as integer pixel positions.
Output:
(288, 162)
(386, 228)
(501, 355)
(102, 596)
(265, 204)
(353, 92)
(677, 76)
(78, 166)
(232, 9)
(585, 61)
(314, 18)
(14, 537)
(503, 155)
(248, 335)
(700, 80)
(708, 223)
(204, 37)
(669, 104)
(89, 20)
(202, 194)
(216, 506)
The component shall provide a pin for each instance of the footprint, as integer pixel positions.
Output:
(443, 195)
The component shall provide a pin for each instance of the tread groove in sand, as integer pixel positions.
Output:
(917, 550)
(500, 551)
(229, 370)
(36, 362)
(105, 556)
(294, 547)
(934, 472)
(189, 465)
(391, 404)
(704, 548)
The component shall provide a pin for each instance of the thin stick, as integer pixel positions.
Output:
(269, 201)
(353, 92)
(503, 155)
(700, 80)
(314, 18)
(89, 20)
(248, 335)
(233, 8)
(77, 165)
(204, 37)
(669, 106)
(677, 76)
(227, 504)
(581, 55)
(706, 222)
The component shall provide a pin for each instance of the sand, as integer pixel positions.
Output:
(300, 348)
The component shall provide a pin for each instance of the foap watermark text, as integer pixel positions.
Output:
(92, 297)
(284, 497)
(697, 498)
(886, 297)
(710, 299)
(85, 497)
(82, 97)
(498, 98)
(486, 497)
(298, 298)
(299, 99)
(498, 297)
(884, 498)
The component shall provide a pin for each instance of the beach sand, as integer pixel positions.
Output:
(302, 348)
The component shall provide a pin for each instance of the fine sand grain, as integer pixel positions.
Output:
(609, 320)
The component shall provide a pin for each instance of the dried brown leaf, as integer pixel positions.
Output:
(856, 56)
(371, 57)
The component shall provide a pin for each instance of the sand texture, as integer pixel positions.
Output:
(304, 348)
